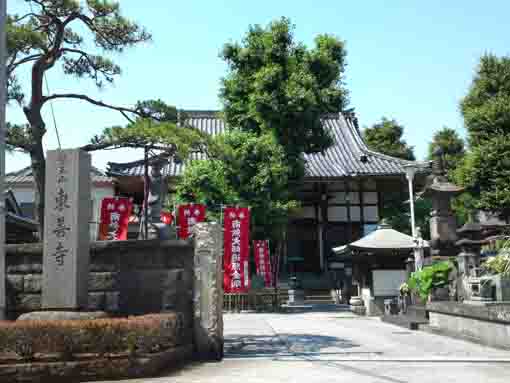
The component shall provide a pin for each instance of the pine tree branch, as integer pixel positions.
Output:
(11, 67)
(124, 111)
(88, 64)
(18, 19)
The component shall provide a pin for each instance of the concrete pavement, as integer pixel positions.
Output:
(339, 347)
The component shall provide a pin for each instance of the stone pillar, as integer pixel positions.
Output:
(419, 254)
(3, 94)
(320, 232)
(410, 266)
(66, 230)
(208, 291)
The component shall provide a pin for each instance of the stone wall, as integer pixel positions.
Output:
(487, 324)
(95, 368)
(126, 277)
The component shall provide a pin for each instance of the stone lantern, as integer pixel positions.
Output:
(472, 287)
(440, 191)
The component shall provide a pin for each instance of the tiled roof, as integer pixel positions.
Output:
(24, 176)
(348, 156)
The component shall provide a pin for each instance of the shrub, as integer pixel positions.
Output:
(500, 264)
(423, 281)
(143, 334)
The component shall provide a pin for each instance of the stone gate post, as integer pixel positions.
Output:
(208, 291)
(66, 230)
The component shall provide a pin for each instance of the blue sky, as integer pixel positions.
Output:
(408, 60)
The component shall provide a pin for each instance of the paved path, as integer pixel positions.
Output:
(339, 347)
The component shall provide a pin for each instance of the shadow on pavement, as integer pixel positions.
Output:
(247, 346)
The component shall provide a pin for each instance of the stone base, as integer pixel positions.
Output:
(390, 307)
(161, 231)
(64, 315)
(359, 310)
(356, 301)
(502, 285)
(357, 306)
(296, 297)
(477, 301)
(439, 294)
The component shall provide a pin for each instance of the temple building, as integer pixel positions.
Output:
(342, 195)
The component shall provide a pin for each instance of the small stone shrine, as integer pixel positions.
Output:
(66, 230)
(470, 284)
(443, 225)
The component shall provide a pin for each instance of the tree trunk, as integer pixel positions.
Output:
(38, 164)
(37, 159)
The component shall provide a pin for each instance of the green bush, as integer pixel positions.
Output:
(422, 282)
(143, 334)
(500, 264)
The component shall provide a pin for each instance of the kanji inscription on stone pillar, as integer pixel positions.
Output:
(66, 230)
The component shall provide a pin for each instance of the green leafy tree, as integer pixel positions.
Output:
(453, 151)
(485, 172)
(451, 145)
(396, 212)
(276, 85)
(486, 111)
(486, 107)
(243, 169)
(63, 32)
(386, 137)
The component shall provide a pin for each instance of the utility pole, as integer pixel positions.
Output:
(3, 100)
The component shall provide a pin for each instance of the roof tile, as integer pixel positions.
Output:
(342, 159)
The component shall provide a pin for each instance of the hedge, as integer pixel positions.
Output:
(133, 335)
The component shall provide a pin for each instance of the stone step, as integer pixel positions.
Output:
(318, 302)
(318, 296)
(306, 307)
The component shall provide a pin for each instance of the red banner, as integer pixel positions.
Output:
(262, 261)
(115, 213)
(188, 215)
(167, 218)
(236, 242)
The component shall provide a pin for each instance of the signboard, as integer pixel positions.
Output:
(189, 215)
(66, 230)
(387, 282)
(262, 261)
(236, 272)
(115, 214)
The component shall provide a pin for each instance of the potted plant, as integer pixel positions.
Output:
(431, 282)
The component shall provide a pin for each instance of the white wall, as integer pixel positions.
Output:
(97, 195)
(387, 282)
